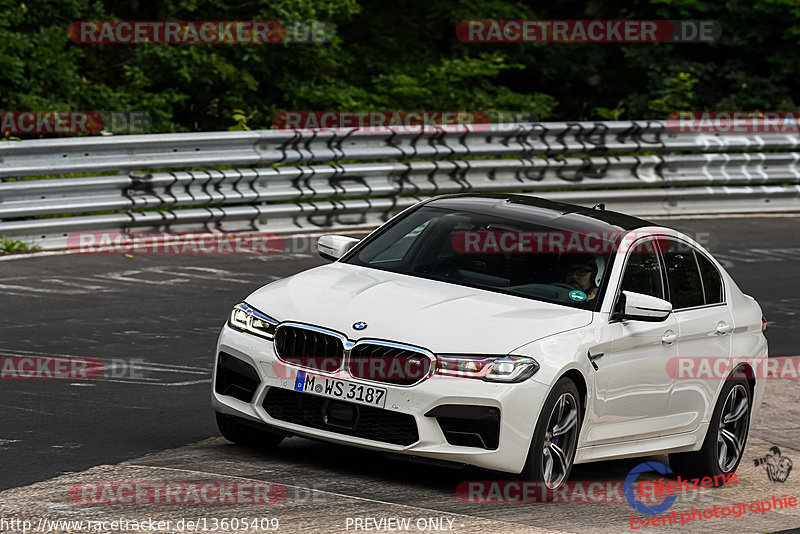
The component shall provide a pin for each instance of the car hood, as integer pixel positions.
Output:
(439, 316)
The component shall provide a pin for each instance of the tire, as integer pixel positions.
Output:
(724, 438)
(555, 451)
(236, 430)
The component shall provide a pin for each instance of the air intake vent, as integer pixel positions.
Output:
(236, 378)
(469, 426)
(314, 411)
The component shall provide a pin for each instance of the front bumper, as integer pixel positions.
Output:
(519, 405)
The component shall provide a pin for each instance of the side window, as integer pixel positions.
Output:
(643, 272)
(712, 281)
(683, 275)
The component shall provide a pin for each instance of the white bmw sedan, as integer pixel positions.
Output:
(506, 332)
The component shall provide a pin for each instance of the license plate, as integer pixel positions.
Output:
(340, 389)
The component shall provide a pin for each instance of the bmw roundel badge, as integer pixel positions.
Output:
(360, 325)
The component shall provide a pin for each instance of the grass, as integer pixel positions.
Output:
(15, 246)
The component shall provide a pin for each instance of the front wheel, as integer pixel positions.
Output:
(726, 438)
(555, 439)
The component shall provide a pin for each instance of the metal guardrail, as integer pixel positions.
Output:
(639, 167)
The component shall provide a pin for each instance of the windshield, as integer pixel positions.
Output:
(491, 253)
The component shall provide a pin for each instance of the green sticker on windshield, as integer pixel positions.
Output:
(580, 296)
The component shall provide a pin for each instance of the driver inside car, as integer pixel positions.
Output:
(580, 271)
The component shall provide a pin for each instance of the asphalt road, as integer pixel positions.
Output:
(162, 315)
(328, 488)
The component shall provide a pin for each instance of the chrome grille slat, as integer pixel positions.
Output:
(304, 343)
(364, 353)
(386, 362)
(309, 347)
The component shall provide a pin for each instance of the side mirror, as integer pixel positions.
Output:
(333, 247)
(639, 307)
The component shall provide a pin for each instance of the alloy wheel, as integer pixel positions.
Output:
(558, 450)
(732, 433)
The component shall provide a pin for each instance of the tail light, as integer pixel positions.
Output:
(763, 326)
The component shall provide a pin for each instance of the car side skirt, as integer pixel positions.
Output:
(686, 442)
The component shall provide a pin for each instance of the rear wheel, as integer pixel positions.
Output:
(726, 438)
(555, 439)
(238, 431)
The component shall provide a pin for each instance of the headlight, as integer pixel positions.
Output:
(489, 368)
(248, 319)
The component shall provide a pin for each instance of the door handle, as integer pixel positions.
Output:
(723, 328)
(669, 338)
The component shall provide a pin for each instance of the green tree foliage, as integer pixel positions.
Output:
(394, 55)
